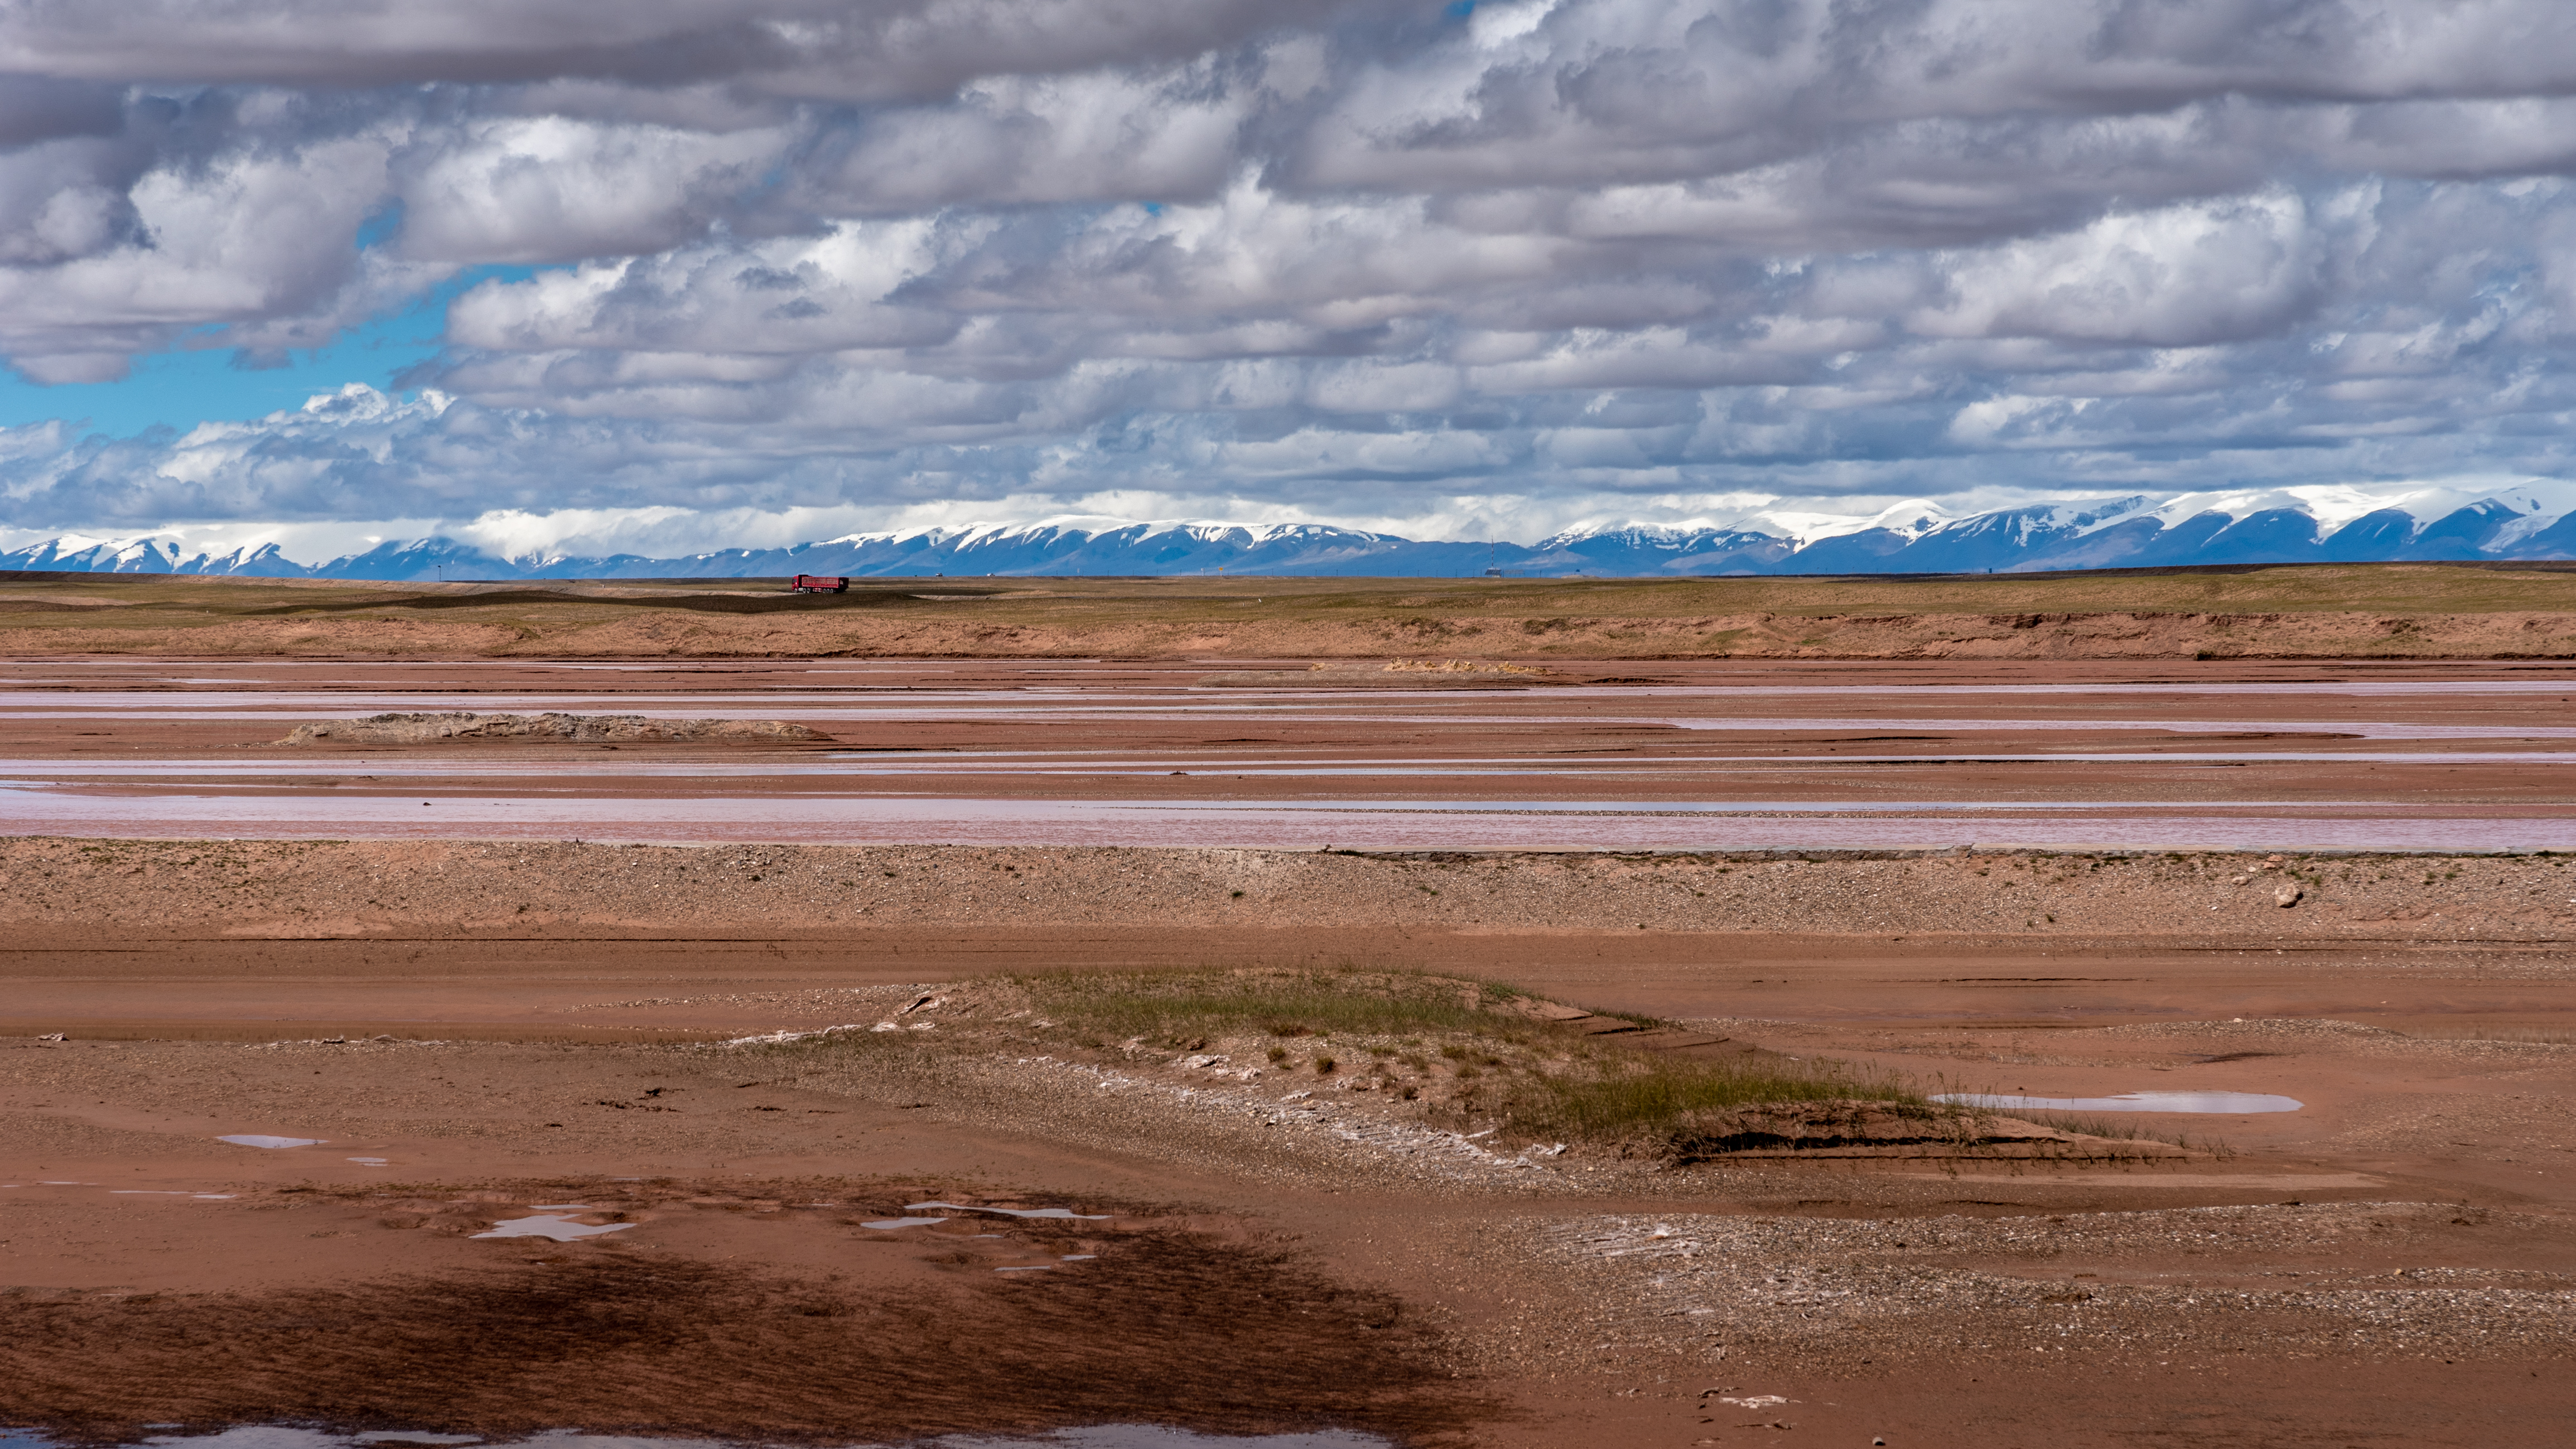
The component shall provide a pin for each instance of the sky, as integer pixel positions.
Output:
(678, 274)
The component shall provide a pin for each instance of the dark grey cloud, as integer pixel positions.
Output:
(1539, 262)
(827, 50)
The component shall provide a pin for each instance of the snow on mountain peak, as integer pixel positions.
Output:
(2535, 502)
(2531, 518)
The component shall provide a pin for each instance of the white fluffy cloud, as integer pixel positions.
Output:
(1451, 266)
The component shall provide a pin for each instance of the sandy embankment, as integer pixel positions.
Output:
(467, 888)
(2110, 634)
(462, 725)
(573, 941)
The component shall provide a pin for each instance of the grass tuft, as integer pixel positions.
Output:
(2120, 1131)
(1539, 1080)
(1647, 1097)
(1279, 1002)
(1473, 1054)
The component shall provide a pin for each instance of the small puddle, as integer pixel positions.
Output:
(371, 1161)
(959, 1207)
(160, 1192)
(1098, 1436)
(546, 1225)
(2222, 1103)
(889, 1224)
(257, 1139)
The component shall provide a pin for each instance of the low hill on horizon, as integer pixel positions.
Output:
(2388, 612)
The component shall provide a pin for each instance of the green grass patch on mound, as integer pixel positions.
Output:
(1513, 1069)
(2117, 1130)
(1645, 1099)
(1472, 1045)
(1168, 1008)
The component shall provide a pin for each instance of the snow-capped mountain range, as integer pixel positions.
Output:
(2300, 525)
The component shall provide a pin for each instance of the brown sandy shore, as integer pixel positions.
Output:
(2352, 611)
(736, 1058)
(528, 1025)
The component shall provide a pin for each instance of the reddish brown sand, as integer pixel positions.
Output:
(2391, 1265)
(2401, 1110)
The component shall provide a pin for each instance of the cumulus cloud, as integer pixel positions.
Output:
(1449, 267)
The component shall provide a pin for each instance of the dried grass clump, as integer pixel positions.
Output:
(1497, 1059)
(1173, 1007)
(1686, 1109)
(1472, 1055)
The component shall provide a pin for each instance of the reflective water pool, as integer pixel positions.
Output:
(1349, 824)
(550, 1226)
(1099, 1436)
(2222, 1103)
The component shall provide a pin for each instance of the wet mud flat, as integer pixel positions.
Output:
(903, 1335)
(623, 1115)
(972, 1220)
(1590, 755)
(1698, 755)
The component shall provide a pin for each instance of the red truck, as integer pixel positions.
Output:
(817, 584)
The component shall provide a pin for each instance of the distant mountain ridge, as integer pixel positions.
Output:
(2530, 521)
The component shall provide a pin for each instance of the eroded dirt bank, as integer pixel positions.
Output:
(295, 889)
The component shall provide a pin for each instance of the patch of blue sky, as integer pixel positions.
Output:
(187, 385)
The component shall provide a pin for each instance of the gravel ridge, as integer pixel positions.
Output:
(464, 887)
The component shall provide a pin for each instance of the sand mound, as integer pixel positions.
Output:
(1888, 1129)
(1390, 674)
(417, 729)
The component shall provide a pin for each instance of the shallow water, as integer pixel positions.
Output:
(544, 1225)
(1316, 824)
(983, 712)
(167, 1192)
(2223, 1103)
(860, 765)
(257, 1139)
(2086, 707)
(1054, 1212)
(1457, 756)
(1101, 1436)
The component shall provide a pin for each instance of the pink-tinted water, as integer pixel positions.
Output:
(1302, 825)
(1074, 752)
